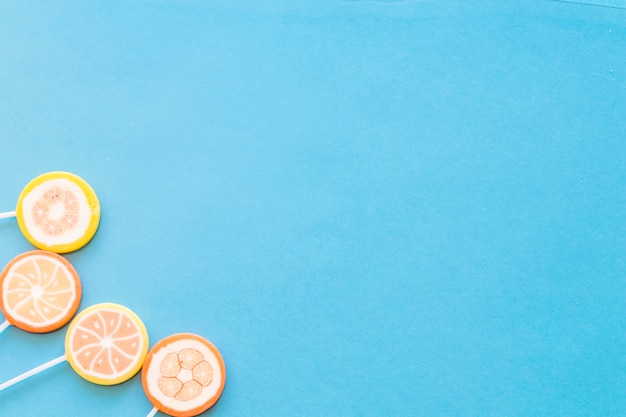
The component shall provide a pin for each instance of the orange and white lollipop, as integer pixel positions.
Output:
(58, 212)
(105, 344)
(183, 375)
(41, 292)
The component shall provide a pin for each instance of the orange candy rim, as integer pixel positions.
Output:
(149, 362)
(16, 321)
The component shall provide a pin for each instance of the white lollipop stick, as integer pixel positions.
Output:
(152, 412)
(7, 214)
(4, 325)
(32, 372)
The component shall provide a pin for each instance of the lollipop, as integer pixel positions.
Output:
(183, 375)
(105, 344)
(57, 211)
(41, 292)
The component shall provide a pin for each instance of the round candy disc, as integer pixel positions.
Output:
(40, 291)
(106, 344)
(58, 211)
(184, 375)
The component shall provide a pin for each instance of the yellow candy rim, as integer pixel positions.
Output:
(98, 380)
(92, 200)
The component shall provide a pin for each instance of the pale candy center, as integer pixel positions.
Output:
(107, 342)
(37, 291)
(185, 375)
(56, 211)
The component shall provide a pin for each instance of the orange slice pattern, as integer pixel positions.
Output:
(41, 291)
(106, 344)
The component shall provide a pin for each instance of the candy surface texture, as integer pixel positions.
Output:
(184, 375)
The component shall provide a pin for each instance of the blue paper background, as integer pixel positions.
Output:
(372, 208)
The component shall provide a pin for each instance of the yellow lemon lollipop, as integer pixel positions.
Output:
(58, 212)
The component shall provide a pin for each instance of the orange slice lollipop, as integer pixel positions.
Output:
(41, 291)
(58, 211)
(183, 375)
(106, 344)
